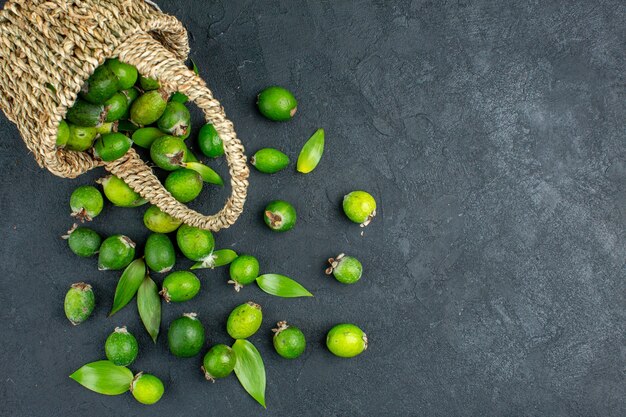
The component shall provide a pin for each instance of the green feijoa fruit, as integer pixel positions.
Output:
(79, 303)
(185, 336)
(209, 141)
(86, 203)
(146, 388)
(244, 320)
(219, 362)
(184, 184)
(112, 146)
(269, 160)
(159, 253)
(243, 271)
(175, 120)
(100, 86)
(148, 83)
(105, 128)
(346, 340)
(81, 138)
(116, 252)
(168, 152)
(119, 193)
(116, 107)
(86, 114)
(121, 347)
(83, 241)
(360, 207)
(289, 341)
(146, 135)
(180, 286)
(179, 97)
(147, 108)
(345, 269)
(126, 74)
(131, 95)
(157, 221)
(280, 216)
(196, 244)
(63, 134)
(277, 103)
(311, 153)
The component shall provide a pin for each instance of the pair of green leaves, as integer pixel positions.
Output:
(281, 286)
(104, 377)
(311, 153)
(218, 258)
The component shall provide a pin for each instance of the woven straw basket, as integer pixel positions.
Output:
(48, 48)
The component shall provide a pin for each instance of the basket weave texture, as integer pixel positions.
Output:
(49, 48)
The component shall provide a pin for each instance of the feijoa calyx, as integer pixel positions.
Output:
(79, 303)
(280, 216)
(185, 336)
(346, 269)
(175, 120)
(218, 362)
(83, 241)
(116, 252)
(86, 203)
(159, 253)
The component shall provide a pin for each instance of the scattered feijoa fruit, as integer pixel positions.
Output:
(116, 107)
(218, 362)
(126, 74)
(86, 114)
(146, 388)
(168, 152)
(116, 252)
(158, 221)
(345, 269)
(112, 146)
(243, 271)
(280, 216)
(86, 203)
(269, 160)
(83, 241)
(180, 286)
(147, 108)
(346, 340)
(277, 103)
(119, 193)
(81, 138)
(185, 336)
(79, 303)
(360, 207)
(289, 341)
(184, 184)
(148, 84)
(209, 142)
(244, 320)
(121, 347)
(63, 134)
(196, 244)
(175, 120)
(159, 253)
(100, 86)
(145, 136)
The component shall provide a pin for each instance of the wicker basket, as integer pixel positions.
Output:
(48, 48)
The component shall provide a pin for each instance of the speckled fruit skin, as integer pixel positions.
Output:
(180, 286)
(111, 146)
(79, 303)
(175, 120)
(84, 242)
(289, 341)
(277, 104)
(280, 216)
(209, 142)
(121, 347)
(120, 194)
(116, 252)
(126, 74)
(359, 206)
(346, 340)
(348, 270)
(244, 320)
(184, 184)
(244, 269)
(159, 253)
(147, 108)
(269, 160)
(146, 388)
(168, 152)
(157, 221)
(86, 202)
(219, 362)
(196, 244)
(185, 336)
(100, 86)
(116, 107)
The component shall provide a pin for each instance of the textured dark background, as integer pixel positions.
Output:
(492, 136)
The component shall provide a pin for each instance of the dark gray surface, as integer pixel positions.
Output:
(493, 139)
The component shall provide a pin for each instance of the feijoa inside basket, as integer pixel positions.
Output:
(48, 48)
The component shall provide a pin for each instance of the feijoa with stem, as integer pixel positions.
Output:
(63, 134)
(86, 203)
(168, 152)
(119, 193)
(83, 241)
(112, 146)
(121, 347)
(110, 127)
(81, 138)
(243, 271)
(184, 184)
(277, 104)
(159, 253)
(185, 336)
(269, 160)
(116, 252)
(345, 269)
(280, 216)
(86, 114)
(175, 120)
(219, 362)
(116, 107)
(157, 221)
(209, 141)
(346, 340)
(289, 341)
(148, 84)
(244, 320)
(79, 303)
(146, 388)
(100, 86)
(126, 74)
(196, 244)
(360, 207)
(180, 286)
(148, 108)
(145, 136)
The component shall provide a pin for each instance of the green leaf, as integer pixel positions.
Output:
(104, 377)
(250, 370)
(207, 174)
(311, 152)
(149, 306)
(281, 286)
(217, 258)
(195, 67)
(179, 97)
(129, 283)
(51, 87)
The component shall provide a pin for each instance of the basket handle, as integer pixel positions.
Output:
(152, 59)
